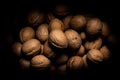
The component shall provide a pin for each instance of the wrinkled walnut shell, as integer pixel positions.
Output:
(78, 22)
(75, 63)
(56, 24)
(26, 34)
(95, 56)
(58, 39)
(35, 18)
(74, 40)
(42, 32)
(31, 47)
(40, 62)
(94, 26)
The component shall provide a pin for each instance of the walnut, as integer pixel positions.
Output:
(95, 44)
(56, 24)
(16, 48)
(95, 56)
(26, 34)
(74, 40)
(42, 32)
(31, 47)
(94, 26)
(78, 22)
(75, 63)
(58, 39)
(40, 62)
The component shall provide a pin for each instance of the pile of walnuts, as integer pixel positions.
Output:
(59, 41)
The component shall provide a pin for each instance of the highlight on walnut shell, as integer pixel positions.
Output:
(40, 62)
(26, 33)
(56, 24)
(58, 39)
(31, 47)
(106, 52)
(95, 44)
(74, 40)
(42, 32)
(75, 63)
(95, 56)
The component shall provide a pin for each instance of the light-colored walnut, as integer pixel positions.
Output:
(75, 63)
(31, 47)
(95, 56)
(81, 51)
(95, 44)
(40, 62)
(42, 32)
(106, 52)
(26, 34)
(83, 36)
(58, 39)
(56, 24)
(74, 40)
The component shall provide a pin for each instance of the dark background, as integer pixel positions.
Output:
(105, 10)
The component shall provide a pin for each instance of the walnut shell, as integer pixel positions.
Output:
(58, 39)
(94, 26)
(49, 17)
(75, 63)
(95, 44)
(95, 56)
(40, 62)
(31, 47)
(63, 58)
(62, 69)
(74, 40)
(26, 34)
(86, 65)
(24, 63)
(42, 32)
(106, 52)
(48, 51)
(66, 22)
(78, 22)
(83, 36)
(105, 29)
(35, 18)
(81, 51)
(56, 24)
(16, 48)
(61, 10)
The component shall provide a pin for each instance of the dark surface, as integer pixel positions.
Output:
(17, 9)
